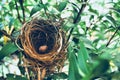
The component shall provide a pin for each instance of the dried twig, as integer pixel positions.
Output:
(39, 76)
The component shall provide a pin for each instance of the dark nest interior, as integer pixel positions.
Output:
(44, 45)
(43, 38)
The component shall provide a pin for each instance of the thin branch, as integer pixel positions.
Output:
(23, 10)
(18, 12)
(76, 20)
(80, 11)
(70, 34)
(9, 36)
(44, 8)
(112, 36)
(117, 40)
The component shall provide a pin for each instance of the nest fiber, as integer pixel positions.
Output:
(44, 44)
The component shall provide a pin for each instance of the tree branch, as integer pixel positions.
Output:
(80, 11)
(23, 10)
(9, 36)
(18, 12)
(44, 8)
(112, 36)
(76, 20)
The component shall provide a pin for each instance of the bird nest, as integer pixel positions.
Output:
(44, 46)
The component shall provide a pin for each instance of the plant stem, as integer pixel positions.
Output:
(23, 10)
(112, 37)
(80, 11)
(18, 12)
(76, 20)
(44, 8)
(9, 36)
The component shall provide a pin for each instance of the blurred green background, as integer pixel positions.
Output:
(92, 29)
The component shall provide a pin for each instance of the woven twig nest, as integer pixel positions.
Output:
(44, 44)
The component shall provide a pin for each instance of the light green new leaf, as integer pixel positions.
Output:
(7, 50)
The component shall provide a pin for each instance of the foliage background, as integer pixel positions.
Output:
(92, 28)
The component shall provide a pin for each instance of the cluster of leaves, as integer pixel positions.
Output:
(92, 27)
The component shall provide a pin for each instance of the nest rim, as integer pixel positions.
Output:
(49, 57)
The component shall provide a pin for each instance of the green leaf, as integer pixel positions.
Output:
(75, 14)
(102, 66)
(36, 8)
(11, 5)
(62, 6)
(1, 25)
(111, 20)
(82, 58)
(7, 50)
(82, 63)
(11, 22)
(116, 10)
(93, 11)
(84, 50)
(36, 0)
(87, 43)
(74, 70)
(15, 77)
(75, 40)
(92, 17)
(75, 7)
(1, 34)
